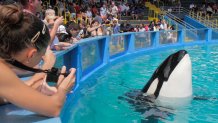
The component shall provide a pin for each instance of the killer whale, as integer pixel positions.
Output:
(172, 79)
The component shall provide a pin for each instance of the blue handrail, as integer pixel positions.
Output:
(91, 53)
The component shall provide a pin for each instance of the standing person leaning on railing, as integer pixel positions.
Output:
(34, 6)
(24, 39)
(95, 29)
(50, 21)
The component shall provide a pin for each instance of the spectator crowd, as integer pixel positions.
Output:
(70, 22)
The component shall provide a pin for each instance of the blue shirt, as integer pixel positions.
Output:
(116, 29)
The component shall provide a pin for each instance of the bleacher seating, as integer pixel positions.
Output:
(186, 3)
(141, 20)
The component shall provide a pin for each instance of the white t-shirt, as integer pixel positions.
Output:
(162, 26)
(114, 10)
(89, 14)
(165, 26)
(55, 42)
(141, 29)
(103, 11)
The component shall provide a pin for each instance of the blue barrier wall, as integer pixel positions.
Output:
(91, 54)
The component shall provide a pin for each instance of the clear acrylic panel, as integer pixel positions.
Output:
(201, 33)
(168, 37)
(142, 40)
(190, 35)
(90, 55)
(195, 35)
(117, 45)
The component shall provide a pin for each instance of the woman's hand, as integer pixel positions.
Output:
(46, 89)
(59, 21)
(65, 84)
(49, 59)
(39, 83)
(74, 40)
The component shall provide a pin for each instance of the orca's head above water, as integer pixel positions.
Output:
(173, 78)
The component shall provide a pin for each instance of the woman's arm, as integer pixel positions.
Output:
(100, 31)
(90, 29)
(16, 92)
(53, 31)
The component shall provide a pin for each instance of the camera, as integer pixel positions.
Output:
(53, 75)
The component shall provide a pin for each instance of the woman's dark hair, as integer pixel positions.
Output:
(173, 27)
(19, 30)
(63, 37)
(6, 2)
(93, 22)
(24, 2)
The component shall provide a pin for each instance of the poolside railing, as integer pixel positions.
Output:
(91, 54)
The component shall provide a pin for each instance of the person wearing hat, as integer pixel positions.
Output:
(62, 34)
(59, 43)
(116, 26)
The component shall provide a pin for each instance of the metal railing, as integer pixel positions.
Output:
(153, 11)
(179, 21)
(204, 19)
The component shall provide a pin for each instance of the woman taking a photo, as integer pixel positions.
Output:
(95, 29)
(24, 40)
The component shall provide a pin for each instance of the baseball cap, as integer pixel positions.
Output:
(62, 29)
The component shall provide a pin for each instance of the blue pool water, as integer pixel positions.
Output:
(96, 100)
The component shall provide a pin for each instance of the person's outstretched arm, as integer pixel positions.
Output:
(53, 31)
(15, 91)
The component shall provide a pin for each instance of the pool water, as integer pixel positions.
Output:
(96, 100)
